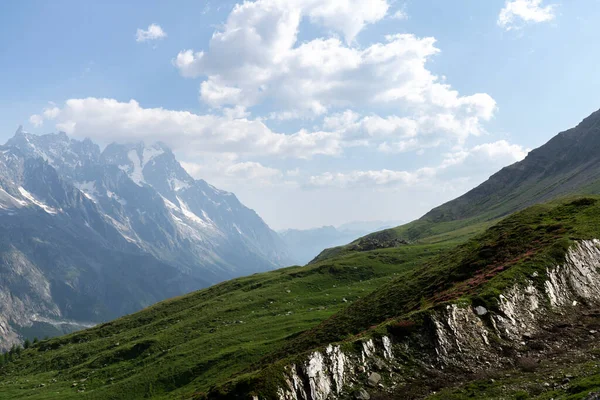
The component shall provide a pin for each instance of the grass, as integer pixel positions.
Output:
(475, 272)
(191, 343)
(479, 268)
(222, 338)
(547, 383)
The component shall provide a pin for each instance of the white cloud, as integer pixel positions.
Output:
(474, 164)
(51, 112)
(395, 134)
(252, 170)
(48, 113)
(399, 15)
(234, 131)
(36, 120)
(107, 120)
(154, 32)
(347, 16)
(382, 177)
(516, 12)
(501, 150)
(293, 172)
(236, 112)
(225, 170)
(256, 58)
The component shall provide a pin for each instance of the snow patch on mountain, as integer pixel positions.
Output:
(123, 229)
(170, 204)
(8, 202)
(88, 188)
(136, 172)
(205, 215)
(237, 228)
(150, 153)
(189, 214)
(116, 197)
(43, 206)
(178, 185)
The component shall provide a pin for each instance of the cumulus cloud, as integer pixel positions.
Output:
(251, 170)
(394, 134)
(473, 164)
(36, 120)
(226, 170)
(154, 32)
(107, 120)
(517, 12)
(500, 150)
(48, 113)
(51, 112)
(256, 58)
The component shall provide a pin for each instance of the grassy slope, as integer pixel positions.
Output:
(476, 271)
(433, 229)
(197, 341)
(232, 330)
(187, 344)
(418, 232)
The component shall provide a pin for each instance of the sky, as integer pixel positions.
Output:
(313, 112)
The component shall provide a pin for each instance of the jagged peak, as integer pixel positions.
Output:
(20, 135)
(60, 135)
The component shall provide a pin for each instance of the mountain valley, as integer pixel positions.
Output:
(459, 303)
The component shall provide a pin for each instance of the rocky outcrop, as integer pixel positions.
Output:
(461, 335)
(328, 374)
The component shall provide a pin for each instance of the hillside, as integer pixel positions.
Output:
(305, 244)
(519, 292)
(252, 329)
(568, 163)
(472, 287)
(191, 343)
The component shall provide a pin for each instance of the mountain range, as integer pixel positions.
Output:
(306, 244)
(89, 235)
(493, 295)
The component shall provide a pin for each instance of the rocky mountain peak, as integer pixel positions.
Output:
(154, 165)
(128, 221)
(19, 131)
(57, 149)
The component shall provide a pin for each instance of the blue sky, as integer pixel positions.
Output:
(312, 112)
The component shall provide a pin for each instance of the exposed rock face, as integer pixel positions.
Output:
(89, 235)
(460, 334)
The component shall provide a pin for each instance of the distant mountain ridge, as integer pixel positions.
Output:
(306, 244)
(88, 235)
